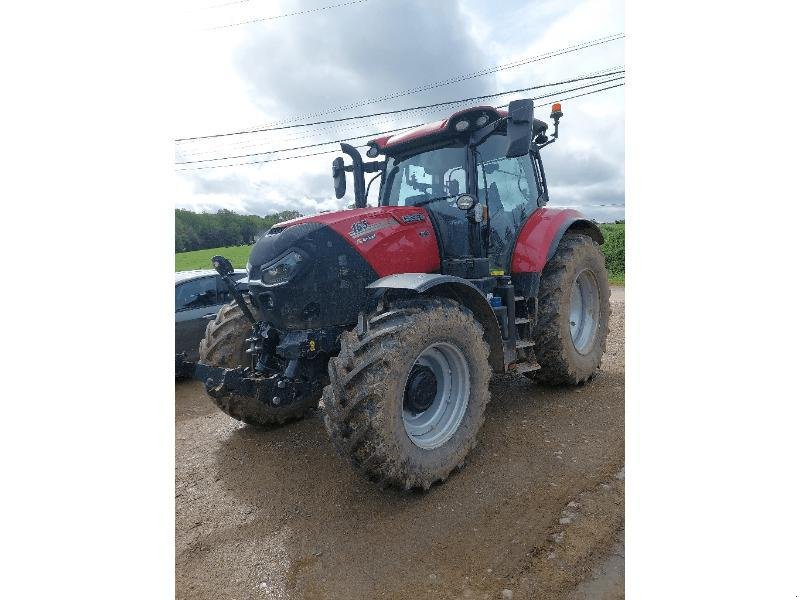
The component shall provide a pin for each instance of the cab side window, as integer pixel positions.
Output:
(510, 185)
(196, 294)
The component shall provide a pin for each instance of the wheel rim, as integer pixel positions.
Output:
(436, 395)
(584, 311)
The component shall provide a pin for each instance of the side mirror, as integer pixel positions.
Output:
(339, 182)
(466, 201)
(519, 127)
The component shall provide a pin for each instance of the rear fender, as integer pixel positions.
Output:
(538, 240)
(455, 288)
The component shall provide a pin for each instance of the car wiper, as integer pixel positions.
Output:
(429, 200)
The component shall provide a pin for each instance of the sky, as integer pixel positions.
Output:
(314, 66)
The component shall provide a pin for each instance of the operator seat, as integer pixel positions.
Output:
(502, 226)
(498, 217)
(493, 200)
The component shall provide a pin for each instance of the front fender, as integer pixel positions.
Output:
(460, 290)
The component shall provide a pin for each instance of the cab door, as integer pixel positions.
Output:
(511, 192)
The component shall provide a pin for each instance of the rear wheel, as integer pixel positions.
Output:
(406, 402)
(572, 326)
(225, 345)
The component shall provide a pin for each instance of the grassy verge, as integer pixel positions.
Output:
(613, 249)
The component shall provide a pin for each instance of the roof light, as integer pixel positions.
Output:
(482, 120)
(462, 125)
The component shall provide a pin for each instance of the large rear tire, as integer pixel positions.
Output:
(224, 346)
(406, 402)
(572, 325)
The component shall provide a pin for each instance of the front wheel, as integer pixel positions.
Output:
(406, 402)
(572, 325)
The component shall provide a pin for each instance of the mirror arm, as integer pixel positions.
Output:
(479, 136)
(374, 166)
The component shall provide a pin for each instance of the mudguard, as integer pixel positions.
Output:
(458, 289)
(540, 234)
(420, 282)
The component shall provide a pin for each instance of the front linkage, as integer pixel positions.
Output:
(264, 379)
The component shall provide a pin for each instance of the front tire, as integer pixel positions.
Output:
(406, 402)
(225, 346)
(572, 325)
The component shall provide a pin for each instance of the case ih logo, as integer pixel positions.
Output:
(362, 227)
(413, 218)
(358, 227)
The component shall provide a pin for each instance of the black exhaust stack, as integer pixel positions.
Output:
(357, 169)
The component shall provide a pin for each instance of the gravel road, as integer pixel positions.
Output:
(537, 512)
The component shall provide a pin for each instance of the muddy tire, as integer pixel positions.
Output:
(224, 345)
(393, 409)
(572, 326)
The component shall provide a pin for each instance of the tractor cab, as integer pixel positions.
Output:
(478, 174)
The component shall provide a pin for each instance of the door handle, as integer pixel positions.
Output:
(210, 316)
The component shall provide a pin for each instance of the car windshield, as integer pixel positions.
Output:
(426, 177)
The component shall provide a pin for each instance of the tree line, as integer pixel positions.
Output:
(199, 231)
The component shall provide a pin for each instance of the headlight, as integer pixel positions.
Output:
(282, 270)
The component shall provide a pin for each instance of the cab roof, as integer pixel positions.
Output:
(438, 129)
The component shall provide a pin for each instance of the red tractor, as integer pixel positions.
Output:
(393, 319)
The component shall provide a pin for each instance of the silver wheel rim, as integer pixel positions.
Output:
(584, 311)
(433, 426)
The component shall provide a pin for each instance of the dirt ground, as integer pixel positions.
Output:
(537, 512)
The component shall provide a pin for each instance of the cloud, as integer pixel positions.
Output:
(334, 57)
(294, 66)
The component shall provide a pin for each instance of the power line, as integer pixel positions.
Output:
(365, 145)
(465, 77)
(373, 135)
(246, 144)
(394, 112)
(332, 151)
(292, 14)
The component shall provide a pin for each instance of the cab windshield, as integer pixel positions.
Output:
(432, 176)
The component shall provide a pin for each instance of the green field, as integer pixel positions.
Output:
(613, 248)
(201, 259)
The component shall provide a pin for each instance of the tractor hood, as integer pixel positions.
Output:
(313, 272)
(329, 218)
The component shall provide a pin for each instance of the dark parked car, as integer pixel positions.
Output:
(198, 297)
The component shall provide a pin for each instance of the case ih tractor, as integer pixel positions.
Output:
(393, 319)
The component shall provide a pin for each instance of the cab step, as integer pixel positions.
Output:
(521, 320)
(524, 344)
(526, 367)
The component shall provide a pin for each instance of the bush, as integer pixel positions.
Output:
(614, 248)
